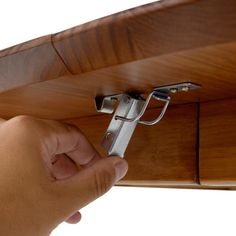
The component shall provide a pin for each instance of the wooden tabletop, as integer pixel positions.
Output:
(165, 42)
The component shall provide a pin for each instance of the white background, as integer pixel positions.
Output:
(22, 20)
(123, 211)
(157, 212)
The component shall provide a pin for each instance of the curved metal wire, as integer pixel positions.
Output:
(140, 114)
(157, 95)
(153, 122)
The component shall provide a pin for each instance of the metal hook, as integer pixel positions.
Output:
(165, 99)
(129, 108)
(158, 96)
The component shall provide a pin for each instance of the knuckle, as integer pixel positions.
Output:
(22, 121)
(25, 126)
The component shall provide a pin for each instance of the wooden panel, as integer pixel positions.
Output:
(177, 40)
(159, 28)
(218, 143)
(212, 67)
(161, 43)
(156, 29)
(28, 63)
(164, 154)
(45, 102)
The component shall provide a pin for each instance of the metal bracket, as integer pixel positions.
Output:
(129, 111)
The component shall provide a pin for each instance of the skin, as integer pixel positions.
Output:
(48, 171)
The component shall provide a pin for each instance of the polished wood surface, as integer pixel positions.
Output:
(155, 29)
(158, 44)
(152, 30)
(29, 63)
(218, 143)
(73, 96)
(166, 42)
(164, 154)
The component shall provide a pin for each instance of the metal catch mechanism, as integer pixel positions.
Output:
(129, 111)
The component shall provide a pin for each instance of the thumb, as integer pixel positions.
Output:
(90, 183)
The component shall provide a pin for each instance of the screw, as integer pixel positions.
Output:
(127, 99)
(173, 90)
(185, 89)
(114, 98)
(109, 136)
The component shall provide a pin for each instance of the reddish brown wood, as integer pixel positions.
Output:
(158, 44)
(218, 143)
(212, 67)
(156, 29)
(164, 154)
(159, 28)
(28, 63)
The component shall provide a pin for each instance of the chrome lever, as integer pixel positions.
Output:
(158, 96)
(128, 113)
(165, 99)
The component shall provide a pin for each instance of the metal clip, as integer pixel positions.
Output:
(128, 113)
(158, 96)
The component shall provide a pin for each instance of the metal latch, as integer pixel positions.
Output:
(129, 111)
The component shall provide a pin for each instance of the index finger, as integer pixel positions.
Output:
(69, 139)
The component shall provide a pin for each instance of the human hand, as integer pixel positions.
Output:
(48, 171)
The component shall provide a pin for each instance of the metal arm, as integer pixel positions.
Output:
(128, 113)
(157, 95)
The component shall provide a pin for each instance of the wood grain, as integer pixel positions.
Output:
(155, 29)
(218, 143)
(152, 30)
(166, 42)
(212, 67)
(164, 154)
(28, 63)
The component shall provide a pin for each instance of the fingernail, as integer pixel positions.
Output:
(121, 169)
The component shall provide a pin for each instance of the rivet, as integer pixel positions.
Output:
(109, 136)
(185, 89)
(127, 99)
(173, 90)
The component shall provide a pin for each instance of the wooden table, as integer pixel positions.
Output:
(171, 41)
